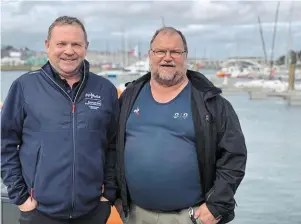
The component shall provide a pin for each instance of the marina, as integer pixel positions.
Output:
(250, 50)
(272, 131)
(264, 89)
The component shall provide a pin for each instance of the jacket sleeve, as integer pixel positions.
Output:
(12, 117)
(110, 185)
(231, 160)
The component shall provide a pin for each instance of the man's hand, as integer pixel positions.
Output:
(103, 199)
(203, 214)
(29, 205)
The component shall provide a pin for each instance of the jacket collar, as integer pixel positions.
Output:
(47, 72)
(48, 69)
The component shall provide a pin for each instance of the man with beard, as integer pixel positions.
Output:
(181, 153)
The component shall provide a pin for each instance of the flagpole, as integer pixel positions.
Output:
(139, 53)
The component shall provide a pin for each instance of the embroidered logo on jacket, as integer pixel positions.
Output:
(136, 111)
(93, 101)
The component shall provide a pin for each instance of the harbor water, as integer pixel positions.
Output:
(271, 190)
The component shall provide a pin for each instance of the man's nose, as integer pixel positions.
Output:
(167, 57)
(69, 50)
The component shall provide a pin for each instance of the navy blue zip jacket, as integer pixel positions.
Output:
(58, 150)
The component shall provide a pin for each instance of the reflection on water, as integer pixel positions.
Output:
(272, 184)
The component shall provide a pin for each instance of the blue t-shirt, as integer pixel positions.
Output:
(161, 165)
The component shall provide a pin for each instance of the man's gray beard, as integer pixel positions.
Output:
(178, 77)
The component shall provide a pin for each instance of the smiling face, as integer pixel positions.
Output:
(168, 59)
(66, 49)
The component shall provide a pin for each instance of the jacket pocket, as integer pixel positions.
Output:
(218, 216)
(98, 119)
(35, 172)
(208, 195)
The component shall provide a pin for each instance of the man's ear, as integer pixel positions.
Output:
(47, 45)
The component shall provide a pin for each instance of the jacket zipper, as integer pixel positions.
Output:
(208, 139)
(207, 117)
(35, 174)
(73, 166)
(73, 132)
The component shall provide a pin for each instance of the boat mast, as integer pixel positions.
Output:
(274, 37)
(289, 39)
(262, 41)
(123, 46)
(162, 20)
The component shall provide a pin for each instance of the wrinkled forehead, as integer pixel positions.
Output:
(168, 40)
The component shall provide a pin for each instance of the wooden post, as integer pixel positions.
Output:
(292, 60)
(291, 77)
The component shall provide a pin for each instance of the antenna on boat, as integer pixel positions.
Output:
(162, 20)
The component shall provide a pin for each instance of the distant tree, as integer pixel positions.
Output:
(299, 55)
(281, 60)
(8, 48)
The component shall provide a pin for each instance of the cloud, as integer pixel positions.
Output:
(217, 26)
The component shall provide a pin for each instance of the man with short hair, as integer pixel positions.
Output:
(181, 153)
(58, 135)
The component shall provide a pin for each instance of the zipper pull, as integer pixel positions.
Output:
(207, 118)
(73, 108)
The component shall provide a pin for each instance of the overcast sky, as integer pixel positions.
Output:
(215, 29)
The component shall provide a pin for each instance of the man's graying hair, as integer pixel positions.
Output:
(170, 30)
(67, 20)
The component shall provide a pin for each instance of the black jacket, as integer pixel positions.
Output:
(221, 148)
